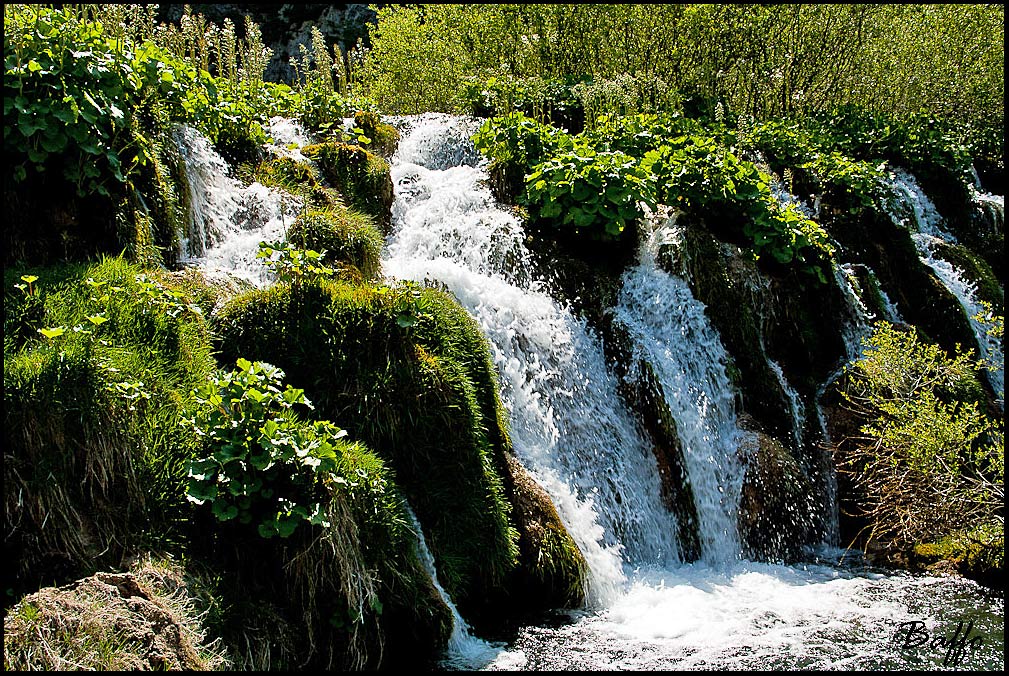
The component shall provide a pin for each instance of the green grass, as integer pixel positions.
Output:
(92, 445)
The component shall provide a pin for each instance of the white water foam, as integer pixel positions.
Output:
(568, 425)
(927, 228)
(758, 617)
(228, 220)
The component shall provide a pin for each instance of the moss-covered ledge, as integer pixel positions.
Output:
(406, 370)
(362, 178)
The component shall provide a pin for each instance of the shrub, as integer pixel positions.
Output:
(547, 100)
(931, 462)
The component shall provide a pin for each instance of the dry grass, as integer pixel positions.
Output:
(142, 620)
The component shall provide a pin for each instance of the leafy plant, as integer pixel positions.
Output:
(599, 193)
(696, 173)
(292, 265)
(265, 466)
(519, 140)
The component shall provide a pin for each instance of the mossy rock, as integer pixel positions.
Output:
(552, 571)
(407, 371)
(47, 222)
(867, 287)
(363, 179)
(348, 237)
(384, 137)
(977, 554)
(297, 177)
(146, 619)
(972, 227)
(976, 270)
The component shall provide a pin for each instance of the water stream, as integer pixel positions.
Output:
(916, 212)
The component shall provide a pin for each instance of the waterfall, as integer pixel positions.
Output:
(965, 290)
(913, 210)
(647, 610)
(463, 649)
(669, 330)
(568, 424)
(795, 406)
(228, 220)
(917, 213)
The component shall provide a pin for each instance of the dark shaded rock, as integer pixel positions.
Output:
(779, 511)
(873, 239)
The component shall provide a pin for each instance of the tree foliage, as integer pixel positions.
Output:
(764, 60)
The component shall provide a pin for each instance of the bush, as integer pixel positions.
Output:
(930, 462)
(547, 100)
(265, 467)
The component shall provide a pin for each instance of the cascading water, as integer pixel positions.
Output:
(567, 423)
(795, 405)
(228, 220)
(917, 213)
(648, 610)
(463, 647)
(669, 331)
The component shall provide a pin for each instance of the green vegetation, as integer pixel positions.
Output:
(931, 461)
(598, 191)
(265, 467)
(406, 371)
(97, 361)
(345, 235)
(602, 180)
(767, 61)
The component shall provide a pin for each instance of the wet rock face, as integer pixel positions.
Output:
(778, 510)
(287, 26)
